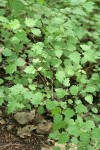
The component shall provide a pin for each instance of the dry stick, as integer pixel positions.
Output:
(9, 144)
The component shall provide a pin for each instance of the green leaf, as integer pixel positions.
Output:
(85, 138)
(50, 105)
(3, 19)
(85, 47)
(89, 99)
(96, 133)
(58, 118)
(18, 89)
(30, 70)
(41, 110)
(1, 96)
(14, 106)
(94, 110)
(75, 57)
(89, 6)
(56, 110)
(56, 148)
(14, 24)
(11, 68)
(20, 62)
(37, 99)
(7, 52)
(60, 75)
(63, 138)
(73, 129)
(38, 48)
(36, 31)
(89, 124)
(80, 108)
(70, 70)
(66, 82)
(68, 112)
(54, 134)
(74, 90)
(30, 22)
(1, 81)
(60, 92)
(58, 53)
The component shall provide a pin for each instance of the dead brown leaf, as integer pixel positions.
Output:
(44, 128)
(25, 131)
(24, 117)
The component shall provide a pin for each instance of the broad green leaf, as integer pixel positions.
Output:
(58, 118)
(37, 99)
(73, 129)
(7, 52)
(60, 75)
(58, 53)
(14, 24)
(1, 81)
(14, 106)
(50, 105)
(38, 48)
(68, 112)
(85, 138)
(36, 31)
(74, 90)
(75, 57)
(89, 124)
(20, 62)
(85, 47)
(80, 108)
(41, 110)
(3, 19)
(30, 22)
(11, 68)
(94, 110)
(30, 70)
(18, 89)
(89, 6)
(70, 70)
(54, 134)
(60, 92)
(89, 99)
(63, 138)
(66, 82)
(96, 133)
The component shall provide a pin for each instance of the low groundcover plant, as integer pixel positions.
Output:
(49, 60)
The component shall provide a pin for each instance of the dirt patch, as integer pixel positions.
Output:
(9, 139)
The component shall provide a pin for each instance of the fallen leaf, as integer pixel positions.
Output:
(72, 146)
(44, 128)
(2, 121)
(25, 131)
(9, 127)
(24, 117)
(46, 148)
(61, 146)
(0, 113)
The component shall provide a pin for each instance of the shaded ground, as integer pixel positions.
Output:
(9, 140)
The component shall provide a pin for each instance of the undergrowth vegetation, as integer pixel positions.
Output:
(49, 61)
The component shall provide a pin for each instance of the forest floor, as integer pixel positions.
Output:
(10, 140)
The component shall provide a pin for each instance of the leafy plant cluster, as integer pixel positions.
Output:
(49, 60)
